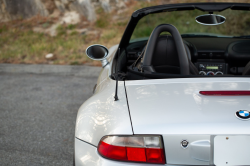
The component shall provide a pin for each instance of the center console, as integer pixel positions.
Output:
(211, 67)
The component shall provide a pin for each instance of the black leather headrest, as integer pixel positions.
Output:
(165, 52)
(148, 57)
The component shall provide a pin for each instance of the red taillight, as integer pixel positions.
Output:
(147, 149)
(155, 155)
(113, 152)
(136, 154)
(226, 93)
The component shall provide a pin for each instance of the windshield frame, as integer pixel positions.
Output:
(138, 14)
(206, 7)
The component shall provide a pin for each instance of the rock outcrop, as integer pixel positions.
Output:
(14, 9)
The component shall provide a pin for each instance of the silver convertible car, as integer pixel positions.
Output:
(175, 91)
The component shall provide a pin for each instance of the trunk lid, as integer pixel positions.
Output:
(174, 106)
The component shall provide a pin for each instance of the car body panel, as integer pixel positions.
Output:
(174, 109)
(106, 72)
(194, 154)
(100, 115)
(174, 106)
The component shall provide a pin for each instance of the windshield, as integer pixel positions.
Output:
(237, 24)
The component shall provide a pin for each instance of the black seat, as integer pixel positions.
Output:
(165, 57)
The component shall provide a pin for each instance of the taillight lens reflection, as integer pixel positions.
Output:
(147, 149)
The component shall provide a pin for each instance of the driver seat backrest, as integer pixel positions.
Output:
(165, 59)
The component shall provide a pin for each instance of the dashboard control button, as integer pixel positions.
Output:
(210, 73)
(202, 66)
(202, 73)
(218, 73)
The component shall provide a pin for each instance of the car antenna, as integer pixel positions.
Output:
(116, 75)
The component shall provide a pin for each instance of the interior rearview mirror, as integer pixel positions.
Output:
(210, 19)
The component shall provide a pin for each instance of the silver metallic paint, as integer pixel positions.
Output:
(174, 106)
(200, 150)
(100, 115)
(175, 154)
(175, 109)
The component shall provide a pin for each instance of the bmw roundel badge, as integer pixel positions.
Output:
(243, 114)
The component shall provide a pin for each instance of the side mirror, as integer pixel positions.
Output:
(98, 52)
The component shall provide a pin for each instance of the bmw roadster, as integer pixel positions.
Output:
(175, 91)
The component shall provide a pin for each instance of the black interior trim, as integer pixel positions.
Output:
(153, 75)
(149, 51)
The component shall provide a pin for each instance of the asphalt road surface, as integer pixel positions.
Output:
(38, 108)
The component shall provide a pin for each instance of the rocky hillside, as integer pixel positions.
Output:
(59, 31)
(16, 9)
